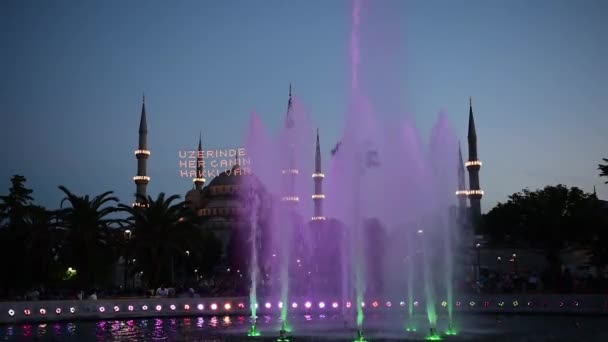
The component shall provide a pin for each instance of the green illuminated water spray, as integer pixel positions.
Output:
(447, 238)
(428, 287)
(254, 270)
(284, 283)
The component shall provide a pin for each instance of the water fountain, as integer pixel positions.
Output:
(386, 190)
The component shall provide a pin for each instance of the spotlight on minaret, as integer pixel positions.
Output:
(142, 153)
(473, 165)
(317, 177)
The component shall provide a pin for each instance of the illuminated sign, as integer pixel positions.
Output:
(214, 162)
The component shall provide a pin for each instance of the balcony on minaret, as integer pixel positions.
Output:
(290, 199)
(318, 175)
(473, 163)
(142, 179)
(318, 196)
(475, 194)
(199, 179)
(290, 171)
(142, 152)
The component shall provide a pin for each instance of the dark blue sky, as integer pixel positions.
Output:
(72, 74)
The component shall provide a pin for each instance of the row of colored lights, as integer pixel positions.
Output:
(307, 305)
(515, 303)
(319, 218)
(291, 171)
(131, 308)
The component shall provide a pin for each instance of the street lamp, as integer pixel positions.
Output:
(478, 251)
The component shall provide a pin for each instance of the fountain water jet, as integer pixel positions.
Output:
(254, 199)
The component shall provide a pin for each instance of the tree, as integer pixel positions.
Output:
(603, 169)
(14, 205)
(550, 219)
(86, 232)
(162, 232)
(13, 212)
(41, 248)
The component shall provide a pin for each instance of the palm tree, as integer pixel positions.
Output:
(603, 169)
(41, 248)
(162, 232)
(86, 232)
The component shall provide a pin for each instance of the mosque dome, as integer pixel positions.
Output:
(195, 198)
(232, 177)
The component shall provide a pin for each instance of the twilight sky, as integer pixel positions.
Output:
(72, 74)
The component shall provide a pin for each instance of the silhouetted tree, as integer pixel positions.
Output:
(13, 212)
(16, 203)
(162, 233)
(42, 244)
(603, 169)
(550, 219)
(86, 234)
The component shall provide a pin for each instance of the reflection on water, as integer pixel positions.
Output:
(159, 329)
(213, 322)
(316, 328)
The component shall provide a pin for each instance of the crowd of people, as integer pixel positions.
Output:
(226, 285)
(492, 281)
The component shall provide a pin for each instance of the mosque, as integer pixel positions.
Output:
(218, 205)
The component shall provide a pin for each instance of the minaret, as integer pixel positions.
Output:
(288, 116)
(318, 180)
(462, 192)
(142, 154)
(290, 171)
(473, 165)
(199, 180)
